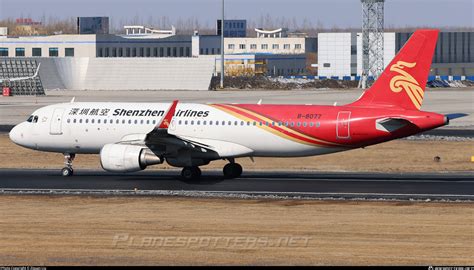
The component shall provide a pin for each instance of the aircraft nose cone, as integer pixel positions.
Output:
(15, 135)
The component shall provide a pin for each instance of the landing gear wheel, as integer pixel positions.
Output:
(232, 170)
(191, 173)
(66, 171)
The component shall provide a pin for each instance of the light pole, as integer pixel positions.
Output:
(222, 47)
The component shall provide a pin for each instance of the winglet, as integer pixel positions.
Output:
(169, 116)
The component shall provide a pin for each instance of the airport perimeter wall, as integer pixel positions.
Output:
(85, 73)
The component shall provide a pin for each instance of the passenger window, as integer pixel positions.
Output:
(98, 121)
(180, 122)
(266, 123)
(80, 121)
(298, 124)
(129, 121)
(92, 121)
(192, 122)
(248, 123)
(154, 122)
(136, 121)
(230, 123)
(148, 122)
(210, 123)
(292, 124)
(141, 122)
(198, 122)
(204, 123)
(304, 124)
(87, 121)
(254, 123)
(186, 122)
(123, 121)
(311, 124)
(69, 121)
(235, 123)
(260, 123)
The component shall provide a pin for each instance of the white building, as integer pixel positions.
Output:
(106, 62)
(340, 54)
(140, 31)
(267, 42)
(49, 46)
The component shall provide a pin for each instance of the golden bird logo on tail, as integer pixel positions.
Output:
(404, 81)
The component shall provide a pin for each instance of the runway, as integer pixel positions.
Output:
(311, 185)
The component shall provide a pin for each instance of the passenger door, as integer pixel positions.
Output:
(342, 127)
(56, 122)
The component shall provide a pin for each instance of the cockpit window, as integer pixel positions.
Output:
(32, 119)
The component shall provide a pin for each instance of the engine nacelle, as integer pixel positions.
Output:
(127, 158)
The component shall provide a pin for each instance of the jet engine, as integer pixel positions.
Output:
(127, 158)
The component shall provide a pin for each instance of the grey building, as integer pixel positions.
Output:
(92, 25)
(232, 28)
(454, 53)
(121, 46)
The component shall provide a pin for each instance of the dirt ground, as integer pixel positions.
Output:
(395, 156)
(42, 230)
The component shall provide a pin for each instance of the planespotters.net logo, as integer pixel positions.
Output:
(124, 240)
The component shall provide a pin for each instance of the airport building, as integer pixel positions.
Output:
(271, 53)
(340, 54)
(232, 28)
(147, 58)
(112, 62)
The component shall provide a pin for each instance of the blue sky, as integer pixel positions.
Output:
(331, 13)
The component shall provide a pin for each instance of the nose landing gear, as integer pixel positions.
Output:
(68, 170)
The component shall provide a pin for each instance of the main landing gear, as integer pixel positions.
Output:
(68, 170)
(191, 173)
(231, 170)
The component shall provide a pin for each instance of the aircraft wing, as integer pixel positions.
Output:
(162, 142)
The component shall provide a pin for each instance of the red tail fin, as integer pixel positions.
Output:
(403, 81)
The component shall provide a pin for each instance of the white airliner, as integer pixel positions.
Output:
(132, 136)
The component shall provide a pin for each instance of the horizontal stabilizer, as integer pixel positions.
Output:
(391, 124)
(455, 115)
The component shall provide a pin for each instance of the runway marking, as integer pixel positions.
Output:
(165, 192)
(363, 180)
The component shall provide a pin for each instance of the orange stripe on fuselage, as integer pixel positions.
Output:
(282, 131)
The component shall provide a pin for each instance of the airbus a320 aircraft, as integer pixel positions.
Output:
(132, 136)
